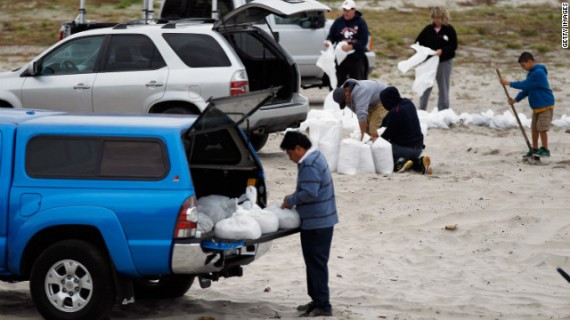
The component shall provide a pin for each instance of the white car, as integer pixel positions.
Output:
(302, 34)
(168, 68)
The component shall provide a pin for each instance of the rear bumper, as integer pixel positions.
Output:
(199, 256)
(278, 117)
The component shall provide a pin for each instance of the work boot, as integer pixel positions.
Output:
(424, 165)
(543, 152)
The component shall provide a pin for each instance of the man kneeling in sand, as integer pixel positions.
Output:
(403, 132)
(314, 199)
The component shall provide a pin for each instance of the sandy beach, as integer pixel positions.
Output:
(392, 257)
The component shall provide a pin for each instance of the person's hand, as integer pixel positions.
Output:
(511, 101)
(285, 204)
(438, 52)
(505, 82)
(346, 47)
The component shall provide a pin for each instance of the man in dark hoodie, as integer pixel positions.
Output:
(540, 98)
(352, 29)
(403, 132)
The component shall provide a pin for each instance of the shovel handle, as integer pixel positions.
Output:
(515, 112)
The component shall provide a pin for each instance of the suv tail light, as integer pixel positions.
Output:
(187, 221)
(239, 84)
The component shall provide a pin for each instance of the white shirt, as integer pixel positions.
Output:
(307, 153)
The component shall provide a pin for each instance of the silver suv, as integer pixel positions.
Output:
(168, 68)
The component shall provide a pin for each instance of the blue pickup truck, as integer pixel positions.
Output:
(99, 209)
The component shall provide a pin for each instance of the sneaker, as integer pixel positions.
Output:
(424, 165)
(405, 166)
(317, 312)
(529, 154)
(306, 307)
(543, 152)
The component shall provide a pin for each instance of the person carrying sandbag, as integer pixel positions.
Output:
(403, 132)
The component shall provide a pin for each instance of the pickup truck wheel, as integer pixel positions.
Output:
(163, 287)
(258, 140)
(72, 279)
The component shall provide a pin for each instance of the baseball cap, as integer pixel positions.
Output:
(349, 4)
(338, 97)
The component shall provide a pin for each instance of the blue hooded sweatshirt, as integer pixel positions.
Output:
(536, 87)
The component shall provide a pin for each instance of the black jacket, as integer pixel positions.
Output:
(403, 125)
(354, 32)
(445, 39)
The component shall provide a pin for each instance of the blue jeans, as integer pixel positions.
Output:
(316, 245)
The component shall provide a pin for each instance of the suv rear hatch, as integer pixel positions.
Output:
(266, 62)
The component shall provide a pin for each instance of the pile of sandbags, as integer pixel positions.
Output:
(230, 220)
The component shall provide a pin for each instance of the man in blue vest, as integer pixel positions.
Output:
(314, 199)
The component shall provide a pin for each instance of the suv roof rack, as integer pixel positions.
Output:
(172, 25)
(124, 25)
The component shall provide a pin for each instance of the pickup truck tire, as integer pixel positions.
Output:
(163, 287)
(72, 279)
(258, 140)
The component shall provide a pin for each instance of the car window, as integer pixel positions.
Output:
(133, 52)
(96, 158)
(73, 57)
(248, 44)
(216, 147)
(197, 50)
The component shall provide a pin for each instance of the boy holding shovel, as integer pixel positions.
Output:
(540, 98)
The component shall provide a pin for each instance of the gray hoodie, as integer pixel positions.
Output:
(365, 94)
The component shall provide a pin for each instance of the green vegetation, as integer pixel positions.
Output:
(393, 31)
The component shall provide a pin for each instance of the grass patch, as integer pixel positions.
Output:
(535, 28)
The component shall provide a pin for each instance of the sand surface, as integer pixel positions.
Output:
(391, 256)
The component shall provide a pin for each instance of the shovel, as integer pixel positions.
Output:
(533, 157)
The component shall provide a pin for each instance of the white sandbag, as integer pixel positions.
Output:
(326, 63)
(349, 157)
(238, 227)
(217, 207)
(341, 54)
(420, 56)
(267, 220)
(425, 75)
(382, 155)
(205, 223)
(325, 135)
(563, 122)
(366, 163)
(288, 218)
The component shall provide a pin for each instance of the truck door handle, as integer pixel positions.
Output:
(154, 84)
(81, 86)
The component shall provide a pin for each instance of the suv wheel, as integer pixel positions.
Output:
(177, 110)
(72, 279)
(258, 140)
(163, 287)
